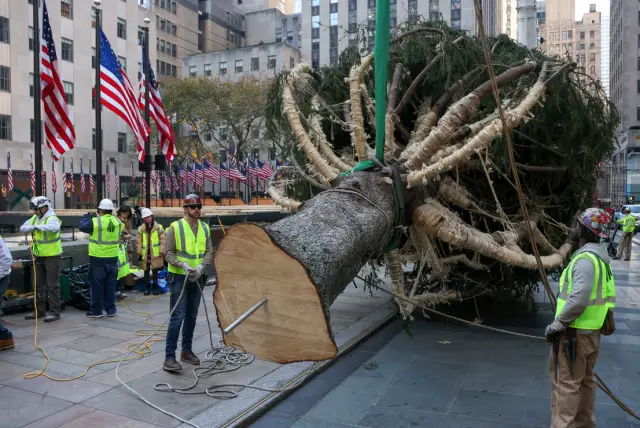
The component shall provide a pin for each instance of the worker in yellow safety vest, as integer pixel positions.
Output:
(44, 226)
(150, 248)
(188, 252)
(586, 295)
(104, 250)
(628, 223)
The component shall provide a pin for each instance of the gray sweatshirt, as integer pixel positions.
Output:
(583, 276)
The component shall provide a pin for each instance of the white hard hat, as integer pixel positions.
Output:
(106, 204)
(146, 212)
(39, 202)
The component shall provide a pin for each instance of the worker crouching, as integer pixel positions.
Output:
(150, 246)
(104, 248)
(586, 295)
(44, 227)
(188, 252)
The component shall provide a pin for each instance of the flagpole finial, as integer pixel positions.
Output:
(97, 3)
(147, 21)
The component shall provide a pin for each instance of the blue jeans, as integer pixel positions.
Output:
(103, 283)
(4, 332)
(185, 311)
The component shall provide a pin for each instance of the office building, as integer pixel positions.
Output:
(330, 26)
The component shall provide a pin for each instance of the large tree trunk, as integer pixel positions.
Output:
(317, 251)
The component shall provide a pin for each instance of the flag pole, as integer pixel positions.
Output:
(37, 96)
(147, 141)
(98, 4)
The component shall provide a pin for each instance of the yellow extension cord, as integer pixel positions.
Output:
(145, 347)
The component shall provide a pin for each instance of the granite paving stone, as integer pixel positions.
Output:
(19, 408)
(75, 391)
(502, 407)
(92, 343)
(307, 422)
(106, 419)
(60, 418)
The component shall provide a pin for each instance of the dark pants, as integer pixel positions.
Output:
(103, 283)
(185, 311)
(48, 284)
(154, 275)
(4, 332)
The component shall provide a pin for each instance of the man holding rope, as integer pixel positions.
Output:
(586, 295)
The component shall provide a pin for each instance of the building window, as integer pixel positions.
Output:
(68, 91)
(292, 62)
(255, 64)
(66, 8)
(271, 62)
(255, 133)
(192, 71)
(208, 136)
(123, 63)
(5, 127)
(592, 34)
(207, 69)
(592, 57)
(570, 34)
(30, 38)
(278, 35)
(4, 34)
(31, 85)
(67, 49)
(638, 63)
(174, 70)
(5, 79)
(93, 17)
(638, 114)
(174, 50)
(32, 130)
(638, 88)
(122, 142)
(564, 35)
(93, 58)
(122, 28)
(581, 35)
(239, 64)
(222, 68)
(140, 35)
(93, 139)
(315, 33)
(315, 10)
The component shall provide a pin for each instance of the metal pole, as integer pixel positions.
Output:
(37, 95)
(147, 142)
(99, 194)
(244, 316)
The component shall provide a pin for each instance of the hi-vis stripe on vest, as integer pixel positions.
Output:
(189, 249)
(603, 293)
(123, 263)
(47, 244)
(155, 242)
(103, 242)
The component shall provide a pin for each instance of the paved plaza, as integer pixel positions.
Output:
(442, 375)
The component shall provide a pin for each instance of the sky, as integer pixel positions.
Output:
(582, 7)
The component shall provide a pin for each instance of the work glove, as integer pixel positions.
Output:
(553, 330)
(187, 267)
(195, 274)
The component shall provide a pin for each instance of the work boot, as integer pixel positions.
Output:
(190, 358)
(6, 343)
(171, 365)
(147, 291)
(156, 291)
(51, 318)
(32, 315)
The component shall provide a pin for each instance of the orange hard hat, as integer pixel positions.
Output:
(192, 200)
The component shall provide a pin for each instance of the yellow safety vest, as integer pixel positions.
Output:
(105, 239)
(189, 248)
(46, 244)
(603, 293)
(123, 262)
(629, 224)
(155, 242)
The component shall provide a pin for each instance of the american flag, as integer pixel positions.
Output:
(211, 173)
(72, 178)
(265, 171)
(176, 186)
(190, 175)
(9, 174)
(232, 172)
(64, 177)
(33, 177)
(43, 183)
(58, 126)
(117, 94)
(54, 180)
(199, 174)
(183, 178)
(156, 109)
(116, 179)
(108, 181)
(82, 183)
(91, 186)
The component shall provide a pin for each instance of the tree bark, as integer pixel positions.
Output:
(338, 231)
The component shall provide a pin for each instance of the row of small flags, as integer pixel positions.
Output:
(251, 172)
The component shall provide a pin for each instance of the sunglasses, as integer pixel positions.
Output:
(195, 207)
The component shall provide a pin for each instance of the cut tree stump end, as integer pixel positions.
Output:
(292, 325)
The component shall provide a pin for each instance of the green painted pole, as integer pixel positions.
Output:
(381, 58)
